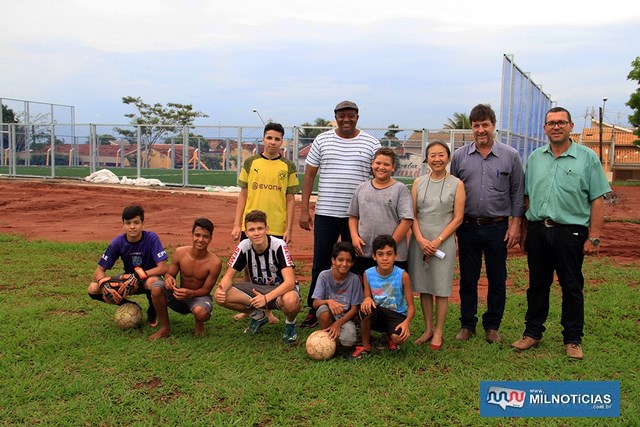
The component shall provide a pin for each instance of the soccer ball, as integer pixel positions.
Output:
(128, 316)
(320, 346)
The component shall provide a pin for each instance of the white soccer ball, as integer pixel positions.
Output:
(128, 316)
(320, 346)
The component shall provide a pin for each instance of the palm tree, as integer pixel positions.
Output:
(459, 121)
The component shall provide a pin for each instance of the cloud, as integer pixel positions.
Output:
(411, 63)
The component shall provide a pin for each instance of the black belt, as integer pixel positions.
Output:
(548, 222)
(484, 221)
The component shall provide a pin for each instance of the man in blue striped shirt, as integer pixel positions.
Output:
(342, 157)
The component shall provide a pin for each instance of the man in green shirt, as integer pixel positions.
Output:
(564, 189)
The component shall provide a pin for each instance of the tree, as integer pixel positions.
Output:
(105, 139)
(389, 139)
(157, 120)
(391, 132)
(8, 116)
(459, 121)
(310, 134)
(634, 99)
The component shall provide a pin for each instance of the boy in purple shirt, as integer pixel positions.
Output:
(141, 252)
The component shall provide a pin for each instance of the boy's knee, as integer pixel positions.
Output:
(93, 288)
(324, 315)
(291, 301)
(348, 334)
(157, 289)
(201, 314)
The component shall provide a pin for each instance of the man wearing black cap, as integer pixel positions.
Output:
(343, 156)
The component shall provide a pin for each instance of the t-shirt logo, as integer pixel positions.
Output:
(282, 175)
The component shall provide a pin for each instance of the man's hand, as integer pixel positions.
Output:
(306, 222)
(590, 248)
(512, 237)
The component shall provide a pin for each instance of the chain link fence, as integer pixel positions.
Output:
(198, 156)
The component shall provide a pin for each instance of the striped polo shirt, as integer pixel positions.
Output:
(344, 163)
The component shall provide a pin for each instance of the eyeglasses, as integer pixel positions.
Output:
(560, 123)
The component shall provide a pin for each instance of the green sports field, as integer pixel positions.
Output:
(64, 362)
(197, 178)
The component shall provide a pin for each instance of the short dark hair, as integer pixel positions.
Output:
(255, 216)
(273, 126)
(133, 211)
(203, 223)
(343, 247)
(482, 112)
(386, 151)
(432, 143)
(559, 110)
(384, 240)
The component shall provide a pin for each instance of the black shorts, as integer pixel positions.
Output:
(385, 320)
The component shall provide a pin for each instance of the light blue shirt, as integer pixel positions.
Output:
(494, 184)
(387, 291)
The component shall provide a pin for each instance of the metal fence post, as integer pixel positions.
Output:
(53, 150)
(239, 153)
(138, 149)
(185, 156)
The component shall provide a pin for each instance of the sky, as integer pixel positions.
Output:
(411, 63)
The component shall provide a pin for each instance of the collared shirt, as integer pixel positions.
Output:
(494, 184)
(562, 188)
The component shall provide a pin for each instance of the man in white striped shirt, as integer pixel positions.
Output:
(343, 157)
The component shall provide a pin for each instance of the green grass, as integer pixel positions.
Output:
(197, 178)
(64, 362)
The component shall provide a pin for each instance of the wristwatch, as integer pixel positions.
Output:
(594, 241)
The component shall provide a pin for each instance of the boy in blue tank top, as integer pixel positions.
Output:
(388, 301)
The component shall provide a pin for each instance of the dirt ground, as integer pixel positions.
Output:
(75, 211)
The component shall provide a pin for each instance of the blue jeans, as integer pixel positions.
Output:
(474, 241)
(326, 231)
(558, 249)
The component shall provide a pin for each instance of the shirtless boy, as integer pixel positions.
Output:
(199, 269)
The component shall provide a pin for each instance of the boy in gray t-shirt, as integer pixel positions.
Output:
(338, 295)
(380, 206)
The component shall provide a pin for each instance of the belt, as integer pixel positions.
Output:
(548, 222)
(484, 221)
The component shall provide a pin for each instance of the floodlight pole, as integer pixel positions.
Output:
(601, 113)
(255, 110)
